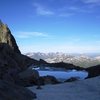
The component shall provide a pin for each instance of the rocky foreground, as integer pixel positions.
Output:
(10, 91)
(88, 89)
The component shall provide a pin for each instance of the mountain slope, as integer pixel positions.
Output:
(76, 59)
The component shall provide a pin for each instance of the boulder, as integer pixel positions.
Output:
(29, 77)
(71, 79)
(48, 80)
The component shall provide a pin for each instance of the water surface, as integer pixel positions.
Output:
(62, 74)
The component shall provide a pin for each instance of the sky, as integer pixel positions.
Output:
(69, 26)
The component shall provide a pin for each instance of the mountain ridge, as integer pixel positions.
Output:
(81, 60)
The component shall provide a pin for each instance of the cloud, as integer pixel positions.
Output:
(30, 34)
(91, 1)
(46, 10)
(67, 8)
(41, 10)
(73, 10)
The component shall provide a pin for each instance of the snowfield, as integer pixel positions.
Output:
(88, 89)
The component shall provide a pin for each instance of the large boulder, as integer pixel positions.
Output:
(72, 79)
(48, 80)
(29, 77)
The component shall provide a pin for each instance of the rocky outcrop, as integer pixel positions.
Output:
(7, 37)
(67, 66)
(29, 77)
(12, 62)
(93, 71)
(72, 79)
(41, 61)
(48, 80)
(10, 66)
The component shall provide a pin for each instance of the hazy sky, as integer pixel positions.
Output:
(71, 26)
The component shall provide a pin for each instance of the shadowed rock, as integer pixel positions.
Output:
(93, 71)
(11, 60)
(29, 77)
(48, 80)
(9, 91)
(72, 79)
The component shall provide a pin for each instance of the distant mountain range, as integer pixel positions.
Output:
(82, 60)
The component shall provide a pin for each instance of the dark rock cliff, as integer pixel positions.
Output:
(12, 62)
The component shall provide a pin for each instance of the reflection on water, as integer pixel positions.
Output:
(62, 74)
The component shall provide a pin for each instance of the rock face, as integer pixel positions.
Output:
(10, 56)
(7, 37)
(12, 62)
(7, 56)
